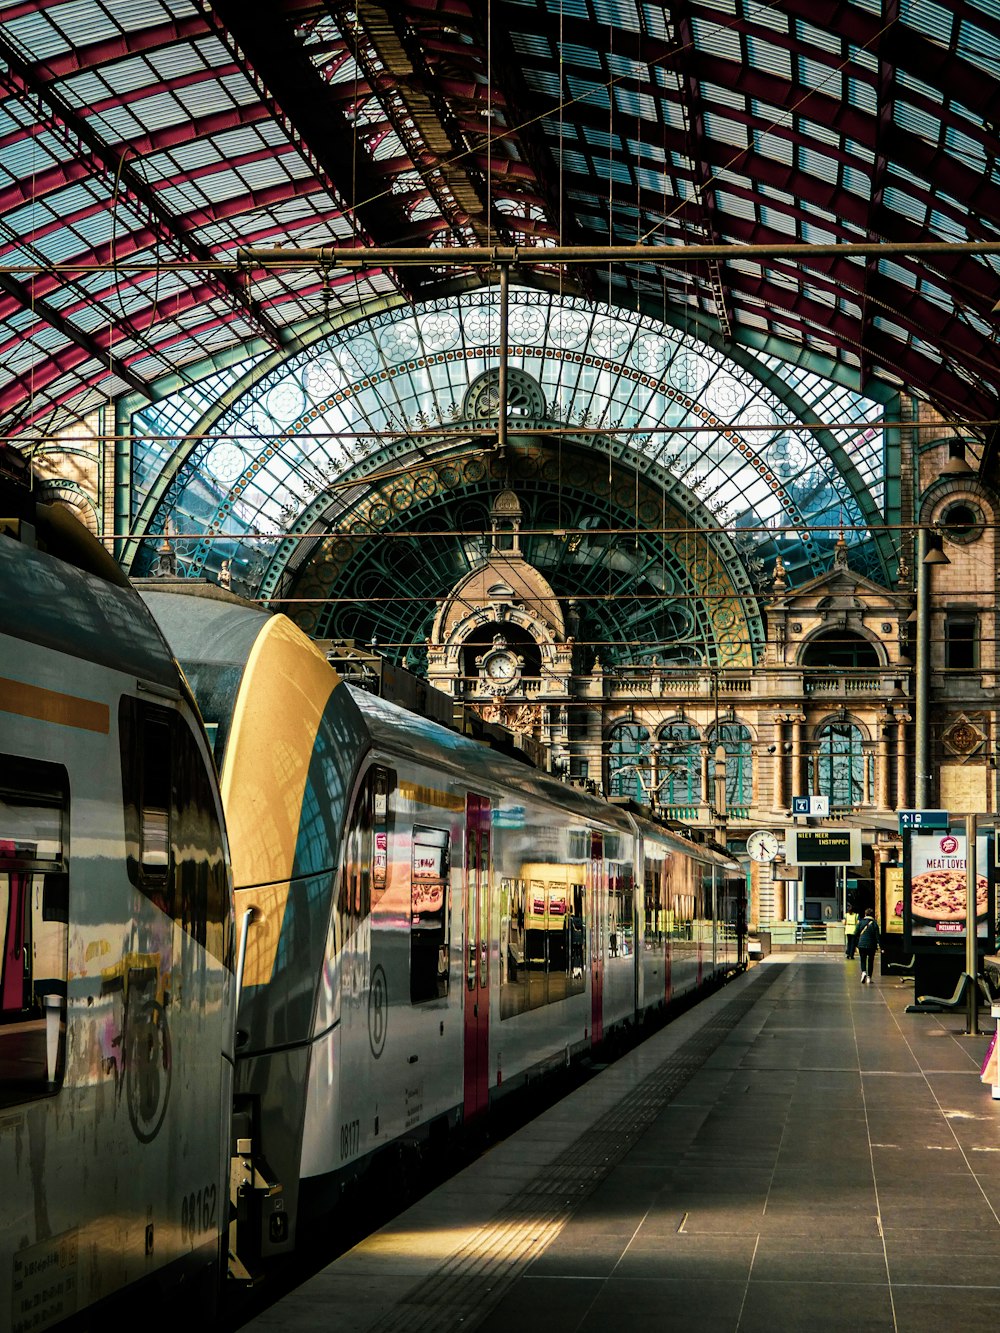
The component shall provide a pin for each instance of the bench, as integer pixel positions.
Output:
(929, 1004)
(905, 968)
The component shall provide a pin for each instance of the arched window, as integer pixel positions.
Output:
(845, 771)
(679, 768)
(839, 648)
(735, 739)
(628, 761)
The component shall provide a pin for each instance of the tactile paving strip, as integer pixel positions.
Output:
(462, 1291)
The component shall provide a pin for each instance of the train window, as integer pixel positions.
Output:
(154, 840)
(537, 945)
(201, 882)
(173, 823)
(576, 926)
(34, 927)
(366, 850)
(484, 909)
(146, 743)
(614, 905)
(650, 905)
(513, 974)
(621, 913)
(547, 937)
(430, 924)
(383, 785)
(707, 894)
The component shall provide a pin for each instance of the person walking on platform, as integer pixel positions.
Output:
(868, 935)
(851, 923)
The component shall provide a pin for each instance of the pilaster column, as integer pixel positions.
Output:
(800, 787)
(902, 786)
(882, 762)
(778, 766)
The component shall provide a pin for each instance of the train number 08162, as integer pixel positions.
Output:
(198, 1212)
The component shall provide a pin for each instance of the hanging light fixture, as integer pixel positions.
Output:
(957, 462)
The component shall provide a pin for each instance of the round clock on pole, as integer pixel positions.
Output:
(762, 845)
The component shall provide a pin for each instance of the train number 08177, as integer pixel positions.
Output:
(350, 1139)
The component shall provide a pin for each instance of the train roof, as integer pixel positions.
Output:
(73, 599)
(394, 728)
(398, 731)
(213, 637)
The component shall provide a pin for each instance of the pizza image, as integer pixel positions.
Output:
(427, 897)
(939, 895)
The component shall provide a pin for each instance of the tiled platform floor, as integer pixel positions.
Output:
(834, 1163)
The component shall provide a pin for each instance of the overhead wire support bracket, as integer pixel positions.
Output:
(496, 255)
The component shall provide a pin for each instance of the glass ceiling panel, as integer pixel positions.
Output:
(752, 107)
(722, 432)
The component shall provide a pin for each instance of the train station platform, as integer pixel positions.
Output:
(796, 1152)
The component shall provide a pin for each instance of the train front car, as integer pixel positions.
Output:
(288, 740)
(428, 923)
(116, 982)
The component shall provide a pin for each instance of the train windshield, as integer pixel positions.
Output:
(212, 642)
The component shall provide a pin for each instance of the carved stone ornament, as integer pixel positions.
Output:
(963, 737)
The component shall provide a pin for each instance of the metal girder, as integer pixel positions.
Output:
(704, 175)
(883, 138)
(302, 101)
(115, 256)
(64, 119)
(120, 47)
(110, 363)
(425, 120)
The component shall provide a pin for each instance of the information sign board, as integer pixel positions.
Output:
(823, 847)
(815, 806)
(920, 820)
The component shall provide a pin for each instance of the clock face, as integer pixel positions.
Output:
(501, 667)
(762, 846)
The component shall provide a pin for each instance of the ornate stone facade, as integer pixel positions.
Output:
(828, 709)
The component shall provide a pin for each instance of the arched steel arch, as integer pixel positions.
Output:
(311, 340)
(636, 590)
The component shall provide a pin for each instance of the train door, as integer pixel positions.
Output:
(477, 955)
(597, 937)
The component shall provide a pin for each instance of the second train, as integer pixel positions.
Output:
(424, 923)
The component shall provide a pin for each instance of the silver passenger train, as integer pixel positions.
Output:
(116, 979)
(199, 1044)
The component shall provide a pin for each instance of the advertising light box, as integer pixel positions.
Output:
(892, 912)
(934, 871)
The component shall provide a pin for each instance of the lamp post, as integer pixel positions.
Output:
(719, 811)
(927, 555)
(971, 927)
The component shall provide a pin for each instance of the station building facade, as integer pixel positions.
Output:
(651, 625)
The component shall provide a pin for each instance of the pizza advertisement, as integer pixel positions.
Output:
(892, 917)
(934, 887)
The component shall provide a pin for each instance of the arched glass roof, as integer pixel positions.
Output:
(148, 147)
(726, 432)
(142, 142)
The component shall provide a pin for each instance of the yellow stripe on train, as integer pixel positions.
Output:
(65, 710)
(270, 747)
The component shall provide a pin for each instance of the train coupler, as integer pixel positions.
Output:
(251, 1181)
